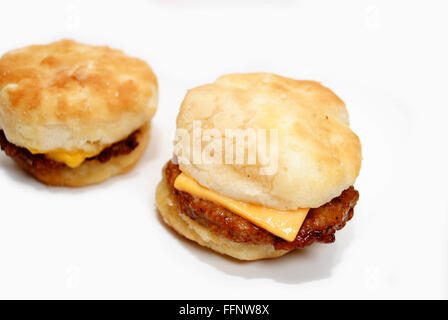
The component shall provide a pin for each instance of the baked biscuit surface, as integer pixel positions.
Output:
(318, 155)
(73, 97)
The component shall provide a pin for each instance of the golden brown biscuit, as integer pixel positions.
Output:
(73, 96)
(319, 155)
(244, 206)
(70, 101)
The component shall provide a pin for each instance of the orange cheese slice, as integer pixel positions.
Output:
(282, 223)
(72, 159)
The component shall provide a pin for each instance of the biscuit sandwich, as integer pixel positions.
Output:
(73, 114)
(262, 165)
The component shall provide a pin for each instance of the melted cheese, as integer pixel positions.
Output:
(72, 159)
(282, 223)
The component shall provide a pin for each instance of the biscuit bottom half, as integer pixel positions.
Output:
(214, 226)
(91, 171)
(203, 236)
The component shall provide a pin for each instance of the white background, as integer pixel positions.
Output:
(386, 59)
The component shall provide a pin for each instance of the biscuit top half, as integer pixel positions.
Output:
(315, 155)
(71, 96)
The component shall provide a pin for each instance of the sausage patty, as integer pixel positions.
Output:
(41, 162)
(319, 225)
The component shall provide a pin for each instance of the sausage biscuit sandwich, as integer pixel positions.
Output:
(222, 189)
(73, 114)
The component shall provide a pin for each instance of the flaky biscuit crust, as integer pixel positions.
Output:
(318, 154)
(72, 96)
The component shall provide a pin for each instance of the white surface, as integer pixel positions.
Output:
(386, 59)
